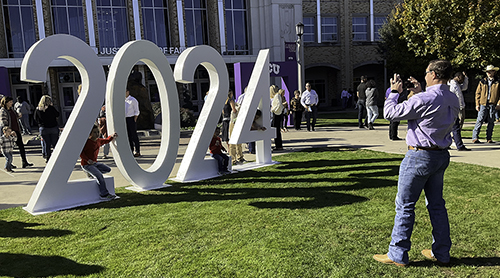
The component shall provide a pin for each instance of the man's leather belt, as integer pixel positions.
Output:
(425, 148)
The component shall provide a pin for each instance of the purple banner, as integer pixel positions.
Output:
(286, 70)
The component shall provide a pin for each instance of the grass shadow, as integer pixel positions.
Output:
(23, 265)
(315, 197)
(474, 262)
(20, 229)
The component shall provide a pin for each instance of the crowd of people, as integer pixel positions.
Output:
(15, 122)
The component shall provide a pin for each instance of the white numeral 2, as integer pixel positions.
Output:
(53, 191)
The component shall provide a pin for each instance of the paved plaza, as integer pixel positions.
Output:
(16, 188)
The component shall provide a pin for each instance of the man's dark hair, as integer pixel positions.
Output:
(363, 78)
(458, 74)
(371, 83)
(441, 68)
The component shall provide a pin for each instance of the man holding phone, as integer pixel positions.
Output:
(430, 116)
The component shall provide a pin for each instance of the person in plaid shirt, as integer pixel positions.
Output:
(7, 142)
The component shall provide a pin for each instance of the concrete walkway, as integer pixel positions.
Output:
(16, 188)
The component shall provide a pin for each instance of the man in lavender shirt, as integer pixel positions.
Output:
(430, 116)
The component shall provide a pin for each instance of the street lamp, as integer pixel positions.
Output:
(299, 29)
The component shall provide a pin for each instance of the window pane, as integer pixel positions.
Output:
(76, 25)
(309, 30)
(120, 17)
(230, 31)
(147, 3)
(190, 29)
(60, 21)
(59, 2)
(149, 24)
(236, 26)
(239, 4)
(161, 29)
(196, 24)
(16, 38)
(118, 2)
(28, 27)
(74, 2)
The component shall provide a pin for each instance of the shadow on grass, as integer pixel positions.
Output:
(315, 183)
(19, 229)
(316, 197)
(477, 261)
(22, 265)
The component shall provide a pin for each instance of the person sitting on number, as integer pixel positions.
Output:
(89, 162)
(216, 149)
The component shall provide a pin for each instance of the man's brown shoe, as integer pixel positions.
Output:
(476, 141)
(491, 141)
(385, 259)
(428, 254)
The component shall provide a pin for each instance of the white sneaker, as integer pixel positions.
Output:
(108, 197)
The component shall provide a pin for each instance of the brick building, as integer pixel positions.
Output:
(340, 39)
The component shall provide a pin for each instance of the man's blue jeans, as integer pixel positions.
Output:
(486, 114)
(96, 170)
(421, 170)
(222, 161)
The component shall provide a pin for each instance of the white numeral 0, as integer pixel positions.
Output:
(128, 55)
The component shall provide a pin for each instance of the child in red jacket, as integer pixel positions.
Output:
(89, 162)
(216, 149)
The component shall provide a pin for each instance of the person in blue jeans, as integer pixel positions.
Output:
(89, 162)
(216, 149)
(487, 103)
(430, 116)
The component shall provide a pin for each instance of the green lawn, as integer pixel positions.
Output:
(320, 213)
(350, 118)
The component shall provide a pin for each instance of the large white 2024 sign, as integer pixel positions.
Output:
(54, 191)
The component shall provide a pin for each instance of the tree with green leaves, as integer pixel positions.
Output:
(467, 33)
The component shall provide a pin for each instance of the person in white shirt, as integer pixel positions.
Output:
(131, 114)
(456, 88)
(310, 102)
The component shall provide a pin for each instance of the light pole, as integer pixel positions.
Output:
(299, 28)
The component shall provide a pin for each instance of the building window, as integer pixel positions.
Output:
(68, 18)
(309, 30)
(359, 28)
(155, 21)
(196, 22)
(112, 23)
(379, 21)
(329, 29)
(236, 26)
(19, 26)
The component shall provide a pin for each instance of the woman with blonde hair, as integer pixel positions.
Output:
(46, 117)
(277, 114)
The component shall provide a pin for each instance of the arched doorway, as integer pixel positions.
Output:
(326, 81)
